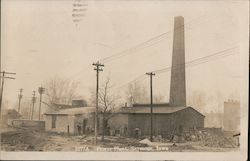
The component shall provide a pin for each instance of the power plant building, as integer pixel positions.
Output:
(168, 118)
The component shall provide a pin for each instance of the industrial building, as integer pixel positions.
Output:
(167, 120)
(170, 118)
(231, 119)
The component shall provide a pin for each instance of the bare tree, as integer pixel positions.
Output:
(60, 90)
(198, 100)
(107, 103)
(158, 98)
(25, 109)
(136, 93)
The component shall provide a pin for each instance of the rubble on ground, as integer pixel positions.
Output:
(207, 137)
(27, 140)
(210, 137)
(22, 140)
(146, 141)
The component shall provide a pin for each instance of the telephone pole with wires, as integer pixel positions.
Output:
(20, 96)
(41, 91)
(3, 77)
(151, 74)
(33, 104)
(98, 69)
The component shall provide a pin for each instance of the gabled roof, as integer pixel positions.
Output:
(73, 111)
(156, 109)
(146, 109)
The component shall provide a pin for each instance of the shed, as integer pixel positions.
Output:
(66, 120)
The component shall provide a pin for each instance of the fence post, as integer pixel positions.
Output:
(68, 130)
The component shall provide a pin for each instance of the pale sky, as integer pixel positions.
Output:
(40, 40)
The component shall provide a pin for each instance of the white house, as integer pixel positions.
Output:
(69, 120)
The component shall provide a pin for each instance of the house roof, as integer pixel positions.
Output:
(156, 109)
(125, 110)
(72, 111)
(148, 105)
(59, 105)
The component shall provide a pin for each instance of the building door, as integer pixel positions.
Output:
(84, 124)
(53, 121)
(117, 132)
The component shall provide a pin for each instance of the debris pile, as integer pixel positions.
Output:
(146, 142)
(219, 141)
(28, 140)
(22, 140)
(212, 137)
(122, 142)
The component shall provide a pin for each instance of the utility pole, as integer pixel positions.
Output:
(30, 112)
(41, 91)
(151, 74)
(20, 96)
(2, 85)
(33, 104)
(98, 69)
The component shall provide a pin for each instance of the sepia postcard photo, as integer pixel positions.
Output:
(124, 79)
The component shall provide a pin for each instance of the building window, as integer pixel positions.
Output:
(53, 121)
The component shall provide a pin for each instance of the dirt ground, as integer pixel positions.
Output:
(26, 140)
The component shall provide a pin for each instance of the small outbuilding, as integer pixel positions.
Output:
(73, 120)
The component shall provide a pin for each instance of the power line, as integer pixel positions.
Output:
(98, 69)
(194, 62)
(33, 104)
(152, 41)
(151, 74)
(20, 96)
(41, 91)
(2, 85)
(141, 77)
(201, 60)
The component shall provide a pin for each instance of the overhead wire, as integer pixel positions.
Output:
(194, 62)
(200, 60)
(152, 41)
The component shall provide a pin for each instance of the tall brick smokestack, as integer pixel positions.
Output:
(178, 81)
